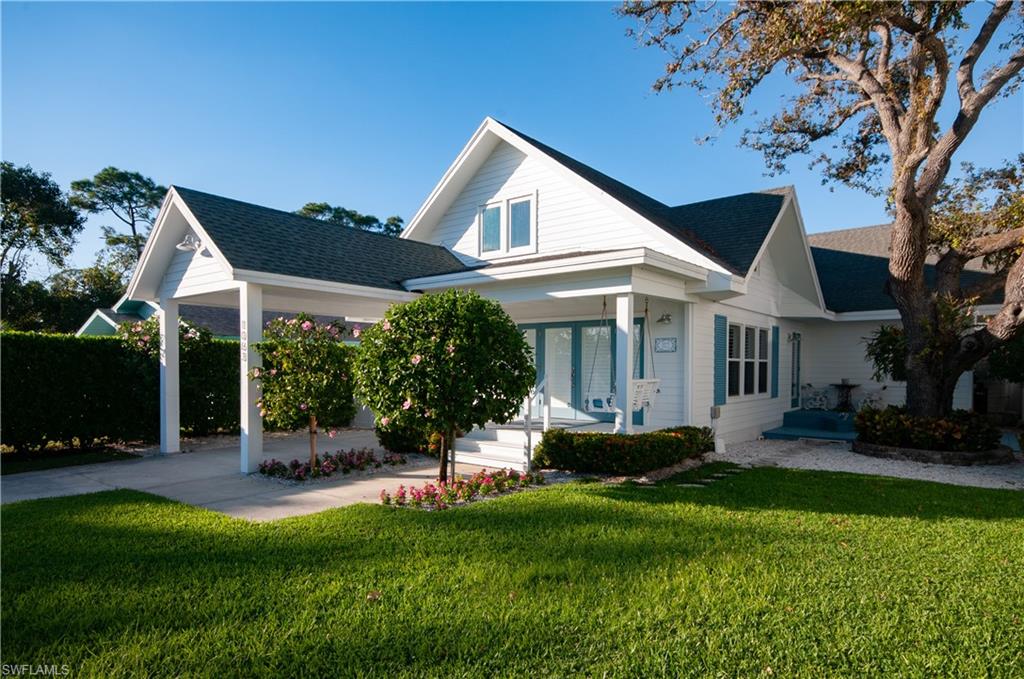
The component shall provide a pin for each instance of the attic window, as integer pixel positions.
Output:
(509, 227)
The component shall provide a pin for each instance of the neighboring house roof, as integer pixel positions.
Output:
(220, 321)
(728, 230)
(851, 281)
(869, 240)
(256, 238)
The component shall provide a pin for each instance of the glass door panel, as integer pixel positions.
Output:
(598, 363)
(558, 367)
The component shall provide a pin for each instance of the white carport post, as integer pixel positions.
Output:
(170, 406)
(623, 363)
(250, 310)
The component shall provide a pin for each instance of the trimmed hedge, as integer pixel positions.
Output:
(961, 431)
(72, 390)
(621, 453)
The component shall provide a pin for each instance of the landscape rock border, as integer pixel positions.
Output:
(1000, 455)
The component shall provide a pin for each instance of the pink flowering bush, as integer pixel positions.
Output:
(305, 379)
(329, 464)
(444, 494)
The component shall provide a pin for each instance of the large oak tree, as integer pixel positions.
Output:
(875, 75)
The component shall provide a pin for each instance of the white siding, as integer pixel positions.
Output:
(836, 350)
(568, 219)
(743, 418)
(192, 273)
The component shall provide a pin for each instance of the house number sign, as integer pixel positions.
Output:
(664, 345)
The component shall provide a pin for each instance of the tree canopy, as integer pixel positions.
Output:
(36, 217)
(872, 78)
(132, 198)
(392, 226)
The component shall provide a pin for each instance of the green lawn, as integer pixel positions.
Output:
(777, 572)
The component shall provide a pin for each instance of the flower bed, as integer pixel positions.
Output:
(329, 464)
(960, 431)
(461, 491)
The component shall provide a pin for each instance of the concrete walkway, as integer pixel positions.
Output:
(210, 478)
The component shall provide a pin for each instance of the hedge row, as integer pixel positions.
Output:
(960, 431)
(67, 390)
(621, 453)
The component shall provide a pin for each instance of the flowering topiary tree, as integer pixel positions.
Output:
(444, 363)
(305, 379)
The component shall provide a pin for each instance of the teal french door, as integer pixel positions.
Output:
(578, 359)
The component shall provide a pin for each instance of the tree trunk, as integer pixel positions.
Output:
(451, 451)
(930, 388)
(312, 443)
(442, 454)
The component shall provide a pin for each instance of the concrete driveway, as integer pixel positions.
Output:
(209, 477)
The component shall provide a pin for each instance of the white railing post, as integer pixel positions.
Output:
(528, 422)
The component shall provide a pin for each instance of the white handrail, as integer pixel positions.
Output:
(541, 389)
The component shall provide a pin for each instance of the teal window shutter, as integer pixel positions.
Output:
(775, 361)
(721, 334)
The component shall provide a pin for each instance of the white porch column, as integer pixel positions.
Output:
(623, 363)
(170, 406)
(250, 311)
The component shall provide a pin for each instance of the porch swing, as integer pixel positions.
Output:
(644, 390)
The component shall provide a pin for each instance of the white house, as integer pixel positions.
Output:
(720, 308)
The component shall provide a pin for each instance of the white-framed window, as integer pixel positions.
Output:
(508, 227)
(748, 356)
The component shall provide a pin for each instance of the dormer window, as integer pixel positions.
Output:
(508, 227)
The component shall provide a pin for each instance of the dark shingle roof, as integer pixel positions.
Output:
(851, 281)
(683, 224)
(262, 239)
(735, 226)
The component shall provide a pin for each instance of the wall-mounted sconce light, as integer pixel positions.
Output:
(190, 243)
(664, 319)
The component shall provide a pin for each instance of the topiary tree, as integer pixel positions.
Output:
(444, 363)
(306, 377)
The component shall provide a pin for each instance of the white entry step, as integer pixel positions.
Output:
(504, 448)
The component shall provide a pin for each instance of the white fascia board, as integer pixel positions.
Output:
(894, 314)
(446, 179)
(603, 260)
(135, 288)
(93, 316)
(316, 285)
(791, 202)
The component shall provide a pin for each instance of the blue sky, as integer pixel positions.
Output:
(365, 105)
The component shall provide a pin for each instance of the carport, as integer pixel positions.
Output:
(214, 251)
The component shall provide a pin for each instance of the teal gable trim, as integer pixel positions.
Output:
(775, 361)
(721, 339)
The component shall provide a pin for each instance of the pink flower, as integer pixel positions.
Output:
(385, 421)
(357, 330)
(273, 371)
(416, 359)
(332, 433)
(385, 324)
(307, 325)
(303, 406)
(255, 372)
(428, 413)
(407, 404)
(145, 338)
(291, 321)
(450, 349)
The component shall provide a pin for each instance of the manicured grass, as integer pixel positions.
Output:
(772, 571)
(16, 463)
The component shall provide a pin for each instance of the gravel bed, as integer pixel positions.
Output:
(833, 456)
